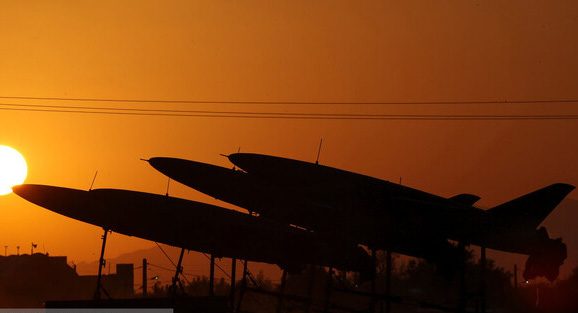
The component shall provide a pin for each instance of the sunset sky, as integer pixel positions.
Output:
(284, 51)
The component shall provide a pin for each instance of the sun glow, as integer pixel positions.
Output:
(13, 169)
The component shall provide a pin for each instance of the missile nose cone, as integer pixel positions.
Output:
(28, 191)
(170, 167)
(252, 163)
(57, 199)
(18, 189)
(206, 178)
(187, 170)
(238, 159)
(158, 163)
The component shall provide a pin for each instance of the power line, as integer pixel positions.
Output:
(165, 111)
(217, 265)
(72, 109)
(284, 115)
(172, 270)
(292, 102)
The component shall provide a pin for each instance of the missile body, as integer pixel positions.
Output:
(197, 226)
(330, 205)
(426, 218)
(269, 198)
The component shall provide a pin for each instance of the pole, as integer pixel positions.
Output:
(212, 277)
(313, 270)
(462, 302)
(281, 291)
(179, 270)
(373, 281)
(144, 278)
(329, 290)
(388, 281)
(515, 276)
(101, 263)
(233, 274)
(483, 280)
(243, 287)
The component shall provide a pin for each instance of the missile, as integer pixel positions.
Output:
(236, 187)
(197, 226)
(229, 185)
(270, 167)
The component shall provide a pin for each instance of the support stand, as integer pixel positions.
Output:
(483, 279)
(101, 264)
(243, 287)
(310, 288)
(515, 277)
(281, 291)
(144, 278)
(212, 277)
(388, 281)
(372, 302)
(233, 276)
(329, 290)
(462, 302)
(178, 272)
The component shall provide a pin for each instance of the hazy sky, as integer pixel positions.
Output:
(343, 51)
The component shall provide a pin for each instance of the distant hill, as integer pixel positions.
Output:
(194, 263)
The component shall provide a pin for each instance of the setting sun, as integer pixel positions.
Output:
(13, 169)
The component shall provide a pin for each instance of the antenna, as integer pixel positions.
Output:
(400, 180)
(238, 151)
(227, 155)
(93, 181)
(168, 185)
(319, 152)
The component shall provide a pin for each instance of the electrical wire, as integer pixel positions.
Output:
(292, 102)
(217, 265)
(172, 270)
(284, 115)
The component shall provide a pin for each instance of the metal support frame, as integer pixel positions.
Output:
(233, 276)
(243, 287)
(483, 279)
(388, 266)
(313, 270)
(329, 290)
(462, 293)
(176, 279)
(373, 300)
(212, 277)
(144, 278)
(515, 277)
(281, 291)
(101, 264)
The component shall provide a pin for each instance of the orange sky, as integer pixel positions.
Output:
(284, 51)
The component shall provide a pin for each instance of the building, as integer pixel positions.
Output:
(30, 280)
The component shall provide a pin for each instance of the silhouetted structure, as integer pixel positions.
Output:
(216, 230)
(313, 214)
(354, 208)
(30, 280)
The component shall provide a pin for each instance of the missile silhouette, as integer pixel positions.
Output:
(198, 226)
(239, 188)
